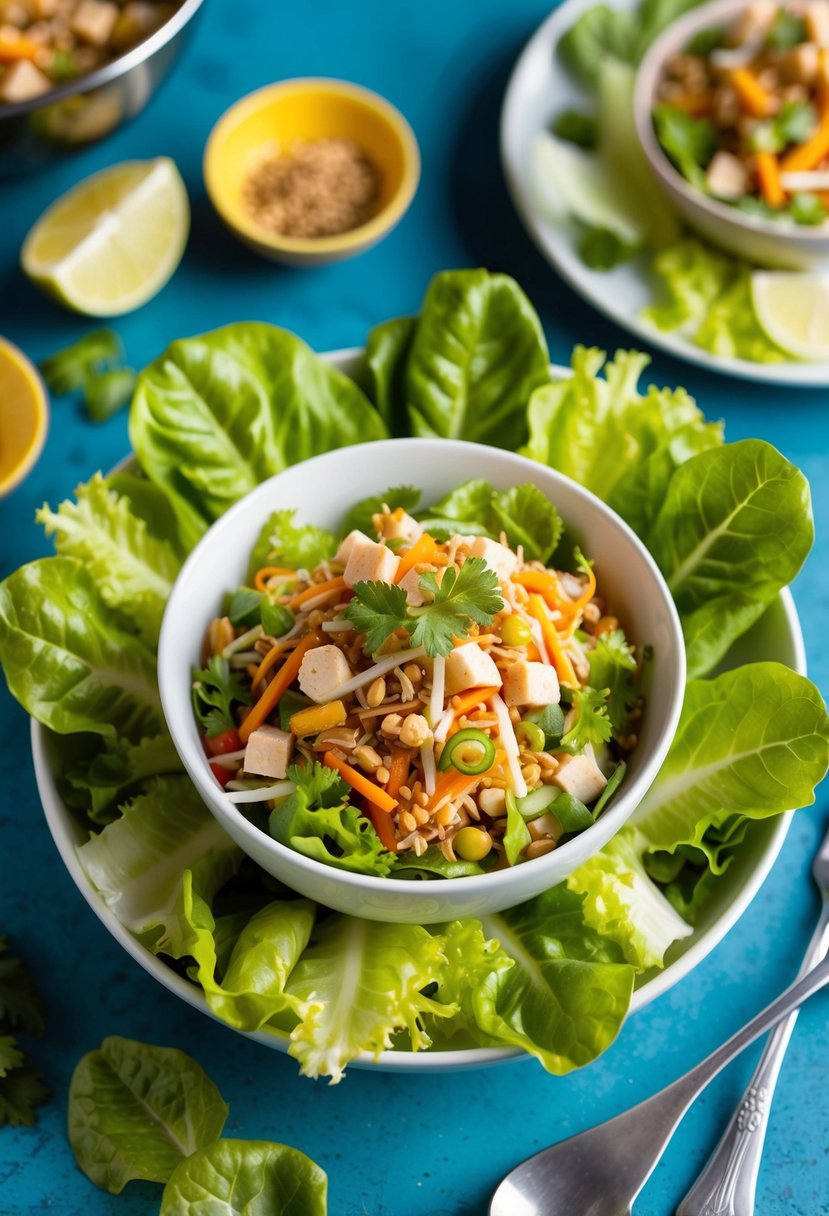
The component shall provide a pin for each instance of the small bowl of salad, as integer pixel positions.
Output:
(732, 110)
(421, 679)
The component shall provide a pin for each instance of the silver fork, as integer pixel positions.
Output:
(728, 1182)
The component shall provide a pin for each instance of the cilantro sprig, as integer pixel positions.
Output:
(215, 690)
(21, 1009)
(461, 598)
(592, 724)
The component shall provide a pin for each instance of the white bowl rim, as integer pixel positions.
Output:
(422, 893)
(784, 229)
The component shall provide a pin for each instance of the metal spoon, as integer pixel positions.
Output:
(727, 1185)
(601, 1171)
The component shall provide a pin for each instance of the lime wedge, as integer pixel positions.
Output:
(792, 309)
(109, 244)
(24, 416)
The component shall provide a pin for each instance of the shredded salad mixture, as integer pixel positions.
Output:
(743, 110)
(424, 702)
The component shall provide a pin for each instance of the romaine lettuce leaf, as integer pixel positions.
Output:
(722, 556)
(217, 414)
(363, 982)
(250, 1177)
(137, 1111)
(567, 994)
(133, 569)
(477, 354)
(68, 661)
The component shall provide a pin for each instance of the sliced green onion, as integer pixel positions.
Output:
(470, 751)
(532, 734)
(613, 783)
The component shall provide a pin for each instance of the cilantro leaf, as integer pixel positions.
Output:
(10, 1054)
(360, 515)
(377, 610)
(613, 666)
(215, 690)
(470, 595)
(21, 1086)
(592, 724)
(20, 1092)
(20, 1005)
(320, 785)
(284, 542)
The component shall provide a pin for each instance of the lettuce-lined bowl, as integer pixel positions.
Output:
(322, 490)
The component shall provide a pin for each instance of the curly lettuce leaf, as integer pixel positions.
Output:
(67, 661)
(567, 994)
(104, 780)
(284, 542)
(477, 354)
(217, 414)
(133, 569)
(363, 982)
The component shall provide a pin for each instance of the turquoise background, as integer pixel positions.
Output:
(392, 1145)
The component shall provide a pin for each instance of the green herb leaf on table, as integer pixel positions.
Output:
(216, 689)
(108, 392)
(137, 1111)
(66, 370)
(21, 1010)
(246, 1176)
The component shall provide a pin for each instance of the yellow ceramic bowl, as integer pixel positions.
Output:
(24, 416)
(270, 119)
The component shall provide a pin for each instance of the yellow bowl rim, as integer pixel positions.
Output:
(354, 237)
(18, 472)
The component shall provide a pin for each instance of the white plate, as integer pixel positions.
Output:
(539, 88)
(776, 636)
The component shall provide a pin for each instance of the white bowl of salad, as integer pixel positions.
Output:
(732, 110)
(418, 703)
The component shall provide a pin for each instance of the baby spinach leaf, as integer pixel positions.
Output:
(217, 414)
(68, 661)
(136, 1110)
(477, 354)
(246, 1178)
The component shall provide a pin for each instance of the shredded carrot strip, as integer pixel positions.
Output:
(332, 584)
(533, 653)
(12, 49)
(269, 660)
(768, 172)
(281, 681)
(463, 703)
(755, 99)
(369, 789)
(809, 155)
(586, 595)
(539, 580)
(383, 827)
(398, 772)
(260, 579)
(457, 784)
(421, 551)
(558, 658)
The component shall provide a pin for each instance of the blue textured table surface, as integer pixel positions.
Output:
(392, 1145)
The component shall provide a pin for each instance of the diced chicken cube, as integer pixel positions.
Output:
(23, 80)
(817, 22)
(532, 684)
(368, 560)
(727, 177)
(268, 752)
(410, 583)
(400, 526)
(323, 669)
(347, 544)
(94, 20)
(580, 776)
(755, 20)
(470, 667)
(498, 557)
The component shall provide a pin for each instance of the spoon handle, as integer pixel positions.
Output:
(727, 1184)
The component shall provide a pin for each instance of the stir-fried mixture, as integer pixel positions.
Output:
(442, 706)
(743, 111)
(46, 42)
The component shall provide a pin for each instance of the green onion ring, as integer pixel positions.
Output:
(453, 752)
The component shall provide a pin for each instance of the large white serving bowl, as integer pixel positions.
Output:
(322, 490)
(767, 242)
